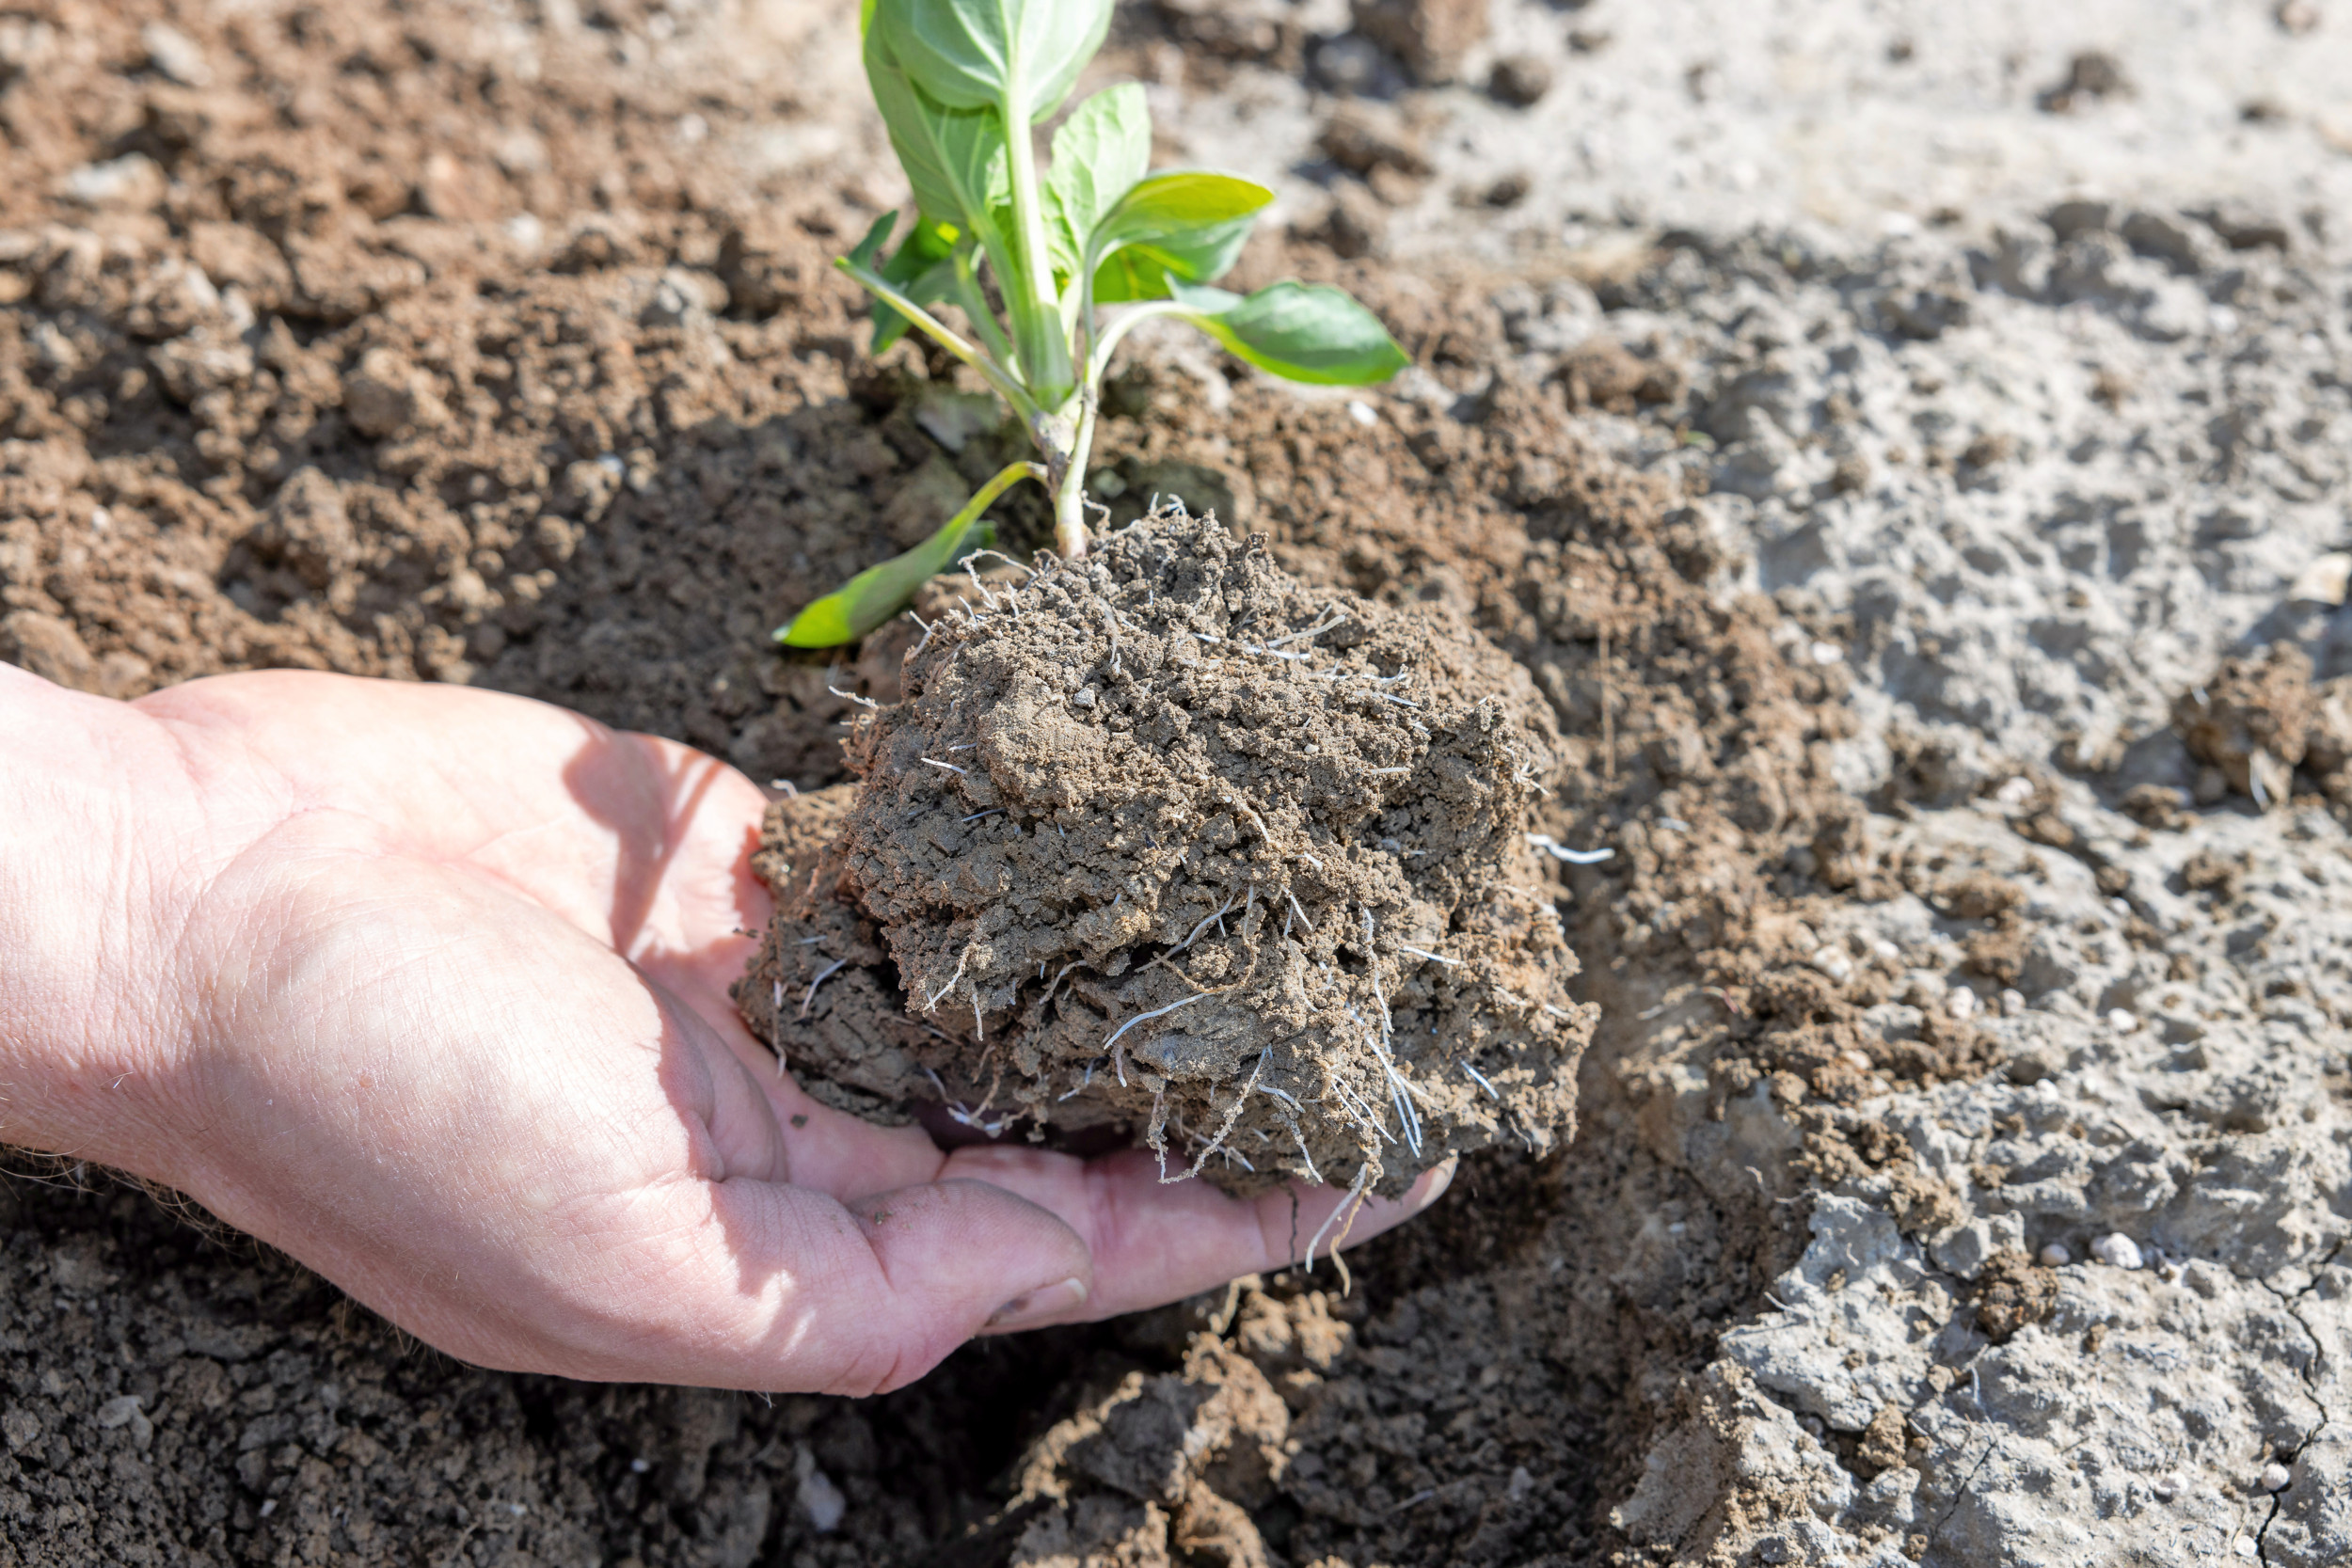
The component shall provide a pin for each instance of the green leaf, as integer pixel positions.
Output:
(1141, 271)
(1308, 332)
(1174, 210)
(1022, 56)
(1101, 151)
(924, 267)
(877, 592)
(954, 158)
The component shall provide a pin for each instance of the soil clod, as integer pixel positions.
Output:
(1168, 839)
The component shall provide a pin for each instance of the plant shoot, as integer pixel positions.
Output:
(1050, 267)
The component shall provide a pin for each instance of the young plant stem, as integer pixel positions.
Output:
(993, 339)
(1070, 495)
(998, 483)
(1031, 298)
(947, 338)
(1135, 316)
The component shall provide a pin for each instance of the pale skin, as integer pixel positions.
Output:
(427, 986)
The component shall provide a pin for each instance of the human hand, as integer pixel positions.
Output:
(428, 987)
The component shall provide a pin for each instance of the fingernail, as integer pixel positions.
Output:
(1041, 1306)
(1441, 1177)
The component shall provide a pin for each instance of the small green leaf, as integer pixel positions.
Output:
(1021, 57)
(924, 267)
(1308, 332)
(1173, 208)
(877, 592)
(1137, 272)
(1101, 149)
(877, 235)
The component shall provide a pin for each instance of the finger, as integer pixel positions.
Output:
(756, 1285)
(704, 906)
(1154, 1242)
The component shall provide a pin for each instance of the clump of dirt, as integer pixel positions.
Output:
(2011, 1292)
(2250, 723)
(1168, 838)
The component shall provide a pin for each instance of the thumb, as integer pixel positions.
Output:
(867, 1297)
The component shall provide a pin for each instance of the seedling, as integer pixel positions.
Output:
(1077, 254)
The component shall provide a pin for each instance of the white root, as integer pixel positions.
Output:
(1338, 618)
(931, 1003)
(1155, 1012)
(1232, 1117)
(986, 597)
(1359, 1111)
(1312, 1175)
(1283, 1095)
(1212, 920)
(822, 976)
(1574, 857)
(1300, 912)
(1355, 1195)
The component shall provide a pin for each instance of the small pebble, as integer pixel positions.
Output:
(176, 54)
(638, 1466)
(269, 1506)
(1519, 80)
(2117, 1251)
(2244, 1545)
(1828, 653)
(822, 1501)
(2276, 1477)
(2012, 1002)
(2165, 1488)
(2016, 792)
(2122, 1020)
(1362, 413)
(2056, 1257)
(1830, 962)
(1962, 1003)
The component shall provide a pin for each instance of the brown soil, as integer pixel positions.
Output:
(300, 391)
(1163, 825)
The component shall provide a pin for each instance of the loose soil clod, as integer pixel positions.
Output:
(1168, 839)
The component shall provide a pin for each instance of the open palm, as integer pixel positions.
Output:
(438, 1005)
